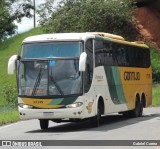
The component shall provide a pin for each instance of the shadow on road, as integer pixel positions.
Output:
(109, 122)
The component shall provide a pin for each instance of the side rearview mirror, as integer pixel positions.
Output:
(82, 61)
(12, 64)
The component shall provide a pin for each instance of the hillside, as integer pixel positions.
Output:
(8, 48)
(148, 16)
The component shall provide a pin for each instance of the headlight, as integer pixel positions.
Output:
(25, 106)
(74, 105)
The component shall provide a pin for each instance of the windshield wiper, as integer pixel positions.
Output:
(37, 82)
(57, 86)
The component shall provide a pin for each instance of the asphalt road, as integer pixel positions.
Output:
(113, 127)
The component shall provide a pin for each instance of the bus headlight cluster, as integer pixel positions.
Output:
(25, 106)
(74, 105)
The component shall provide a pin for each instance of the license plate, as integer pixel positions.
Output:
(48, 113)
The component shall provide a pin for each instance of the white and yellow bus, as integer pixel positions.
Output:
(78, 76)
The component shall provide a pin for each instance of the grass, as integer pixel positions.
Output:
(9, 116)
(156, 95)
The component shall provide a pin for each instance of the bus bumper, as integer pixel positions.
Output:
(65, 113)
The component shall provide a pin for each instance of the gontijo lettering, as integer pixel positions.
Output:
(131, 75)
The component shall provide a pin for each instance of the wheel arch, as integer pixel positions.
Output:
(100, 102)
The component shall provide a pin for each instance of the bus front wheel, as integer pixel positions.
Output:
(95, 121)
(44, 124)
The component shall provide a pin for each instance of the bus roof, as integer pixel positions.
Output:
(59, 37)
(80, 36)
(120, 39)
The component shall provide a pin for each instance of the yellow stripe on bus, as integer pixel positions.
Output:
(40, 103)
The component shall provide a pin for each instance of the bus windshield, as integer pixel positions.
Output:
(49, 78)
(51, 49)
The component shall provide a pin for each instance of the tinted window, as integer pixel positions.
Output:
(114, 54)
(50, 50)
(89, 65)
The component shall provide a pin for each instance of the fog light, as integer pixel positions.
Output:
(74, 105)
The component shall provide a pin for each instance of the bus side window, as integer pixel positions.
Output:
(108, 53)
(89, 65)
(99, 53)
(146, 59)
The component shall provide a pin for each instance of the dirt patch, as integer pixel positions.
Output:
(149, 24)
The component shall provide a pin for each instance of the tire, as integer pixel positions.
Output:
(126, 114)
(141, 110)
(44, 124)
(95, 121)
(136, 111)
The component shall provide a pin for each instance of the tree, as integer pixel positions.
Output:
(11, 10)
(113, 16)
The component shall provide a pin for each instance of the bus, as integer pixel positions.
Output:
(81, 76)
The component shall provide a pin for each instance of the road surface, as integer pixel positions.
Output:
(113, 127)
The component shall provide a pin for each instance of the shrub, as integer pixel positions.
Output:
(10, 94)
(155, 54)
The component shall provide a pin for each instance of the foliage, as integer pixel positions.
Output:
(155, 55)
(110, 16)
(10, 94)
(10, 11)
(156, 95)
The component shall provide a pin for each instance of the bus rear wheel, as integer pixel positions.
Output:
(136, 111)
(44, 124)
(141, 109)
